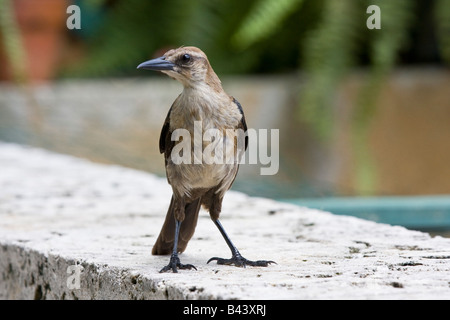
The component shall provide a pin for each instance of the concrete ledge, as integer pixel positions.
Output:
(60, 215)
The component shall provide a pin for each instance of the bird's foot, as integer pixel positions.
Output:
(240, 261)
(175, 264)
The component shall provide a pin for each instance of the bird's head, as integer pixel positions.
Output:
(189, 65)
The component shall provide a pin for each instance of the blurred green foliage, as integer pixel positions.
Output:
(324, 38)
(133, 30)
(321, 36)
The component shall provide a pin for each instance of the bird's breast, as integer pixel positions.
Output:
(210, 153)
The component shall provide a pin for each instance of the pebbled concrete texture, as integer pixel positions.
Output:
(64, 219)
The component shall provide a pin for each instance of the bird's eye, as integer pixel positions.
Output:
(186, 57)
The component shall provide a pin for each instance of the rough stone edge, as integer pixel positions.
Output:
(32, 275)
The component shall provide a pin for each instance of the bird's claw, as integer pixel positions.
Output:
(175, 264)
(240, 261)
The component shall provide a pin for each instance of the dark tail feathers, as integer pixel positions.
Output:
(164, 243)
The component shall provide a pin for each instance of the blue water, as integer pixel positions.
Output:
(413, 212)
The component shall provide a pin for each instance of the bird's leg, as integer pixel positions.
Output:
(174, 262)
(236, 257)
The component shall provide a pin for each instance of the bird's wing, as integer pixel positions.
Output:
(165, 132)
(242, 124)
(227, 182)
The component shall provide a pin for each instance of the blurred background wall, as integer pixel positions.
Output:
(360, 111)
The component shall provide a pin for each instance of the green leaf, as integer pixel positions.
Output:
(263, 20)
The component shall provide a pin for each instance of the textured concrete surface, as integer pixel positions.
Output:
(64, 220)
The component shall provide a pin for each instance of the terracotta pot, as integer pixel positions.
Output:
(42, 26)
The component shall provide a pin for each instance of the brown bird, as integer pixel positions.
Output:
(203, 107)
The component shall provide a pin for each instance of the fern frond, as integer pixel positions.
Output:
(328, 53)
(396, 17)
(264, 20)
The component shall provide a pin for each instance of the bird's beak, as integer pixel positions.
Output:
(157, 64)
